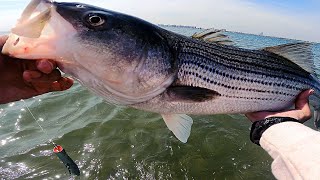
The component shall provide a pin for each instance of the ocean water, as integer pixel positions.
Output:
(111, 142)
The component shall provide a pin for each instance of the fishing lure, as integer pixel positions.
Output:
(67, 161)
(59, 151)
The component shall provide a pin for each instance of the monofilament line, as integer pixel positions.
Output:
(25, 105)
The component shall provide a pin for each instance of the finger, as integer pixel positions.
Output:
(46, 66)
(51, 82)
(253, 116)
(55, 86)
(65, 83)
(302, 104)
(27, 64)
(59, 85)
(45, 87)
(303, 99)
(55, 75)
(62, 84)
(3, 40)
(31, 75)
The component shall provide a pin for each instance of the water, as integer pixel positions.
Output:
(109, 142)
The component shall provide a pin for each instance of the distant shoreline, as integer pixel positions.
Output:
(194, 27)
(179, 26)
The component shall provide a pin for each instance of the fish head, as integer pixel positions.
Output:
(122, 58)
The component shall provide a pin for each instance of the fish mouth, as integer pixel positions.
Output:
(33, 19)
(39, 32)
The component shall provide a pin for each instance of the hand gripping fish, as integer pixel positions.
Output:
(131, 62)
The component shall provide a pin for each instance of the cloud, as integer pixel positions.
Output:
(234, 15)
(10, 11)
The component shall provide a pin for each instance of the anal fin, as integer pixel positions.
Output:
(179, 124)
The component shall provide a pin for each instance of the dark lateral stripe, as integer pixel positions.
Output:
(254, 98)
(239, 52)
(240, 66)
(212, 55)
(238, 78)
(249, 71)
(225, 59)
(196, 75)
(227, 50)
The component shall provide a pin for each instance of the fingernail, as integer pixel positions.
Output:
(311, 91)
(27, 76)
(30, 75)
(35, 74)
(45, 66)
(55, 86)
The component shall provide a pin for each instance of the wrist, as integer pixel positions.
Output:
(259, 127)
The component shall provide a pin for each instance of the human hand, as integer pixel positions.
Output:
(22, 79)
(302, 111)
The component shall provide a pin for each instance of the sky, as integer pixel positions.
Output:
(296, 19)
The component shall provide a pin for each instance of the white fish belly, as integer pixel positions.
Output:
(220, 105)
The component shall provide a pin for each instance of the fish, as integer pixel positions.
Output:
(131, 62)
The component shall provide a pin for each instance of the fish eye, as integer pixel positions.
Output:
(96, 20)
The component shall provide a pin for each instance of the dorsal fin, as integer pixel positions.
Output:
(202, 34)
(213, 35)
(299, 53)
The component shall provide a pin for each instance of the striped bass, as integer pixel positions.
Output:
(131, 62)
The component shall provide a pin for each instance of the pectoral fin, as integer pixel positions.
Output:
(191, 94)
(179, 124)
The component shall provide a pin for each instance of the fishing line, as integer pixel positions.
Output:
(58, 150)
(25, 105)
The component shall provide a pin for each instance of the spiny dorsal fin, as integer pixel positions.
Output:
(213, 35)
(207, 32)
(299, 53)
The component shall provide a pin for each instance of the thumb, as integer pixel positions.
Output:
(302, 103)
(3, 40)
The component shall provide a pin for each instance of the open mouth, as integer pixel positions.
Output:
(34, 18)
(39, 32)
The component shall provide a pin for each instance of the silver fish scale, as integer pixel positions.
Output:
(234, 83)
(255, 60)
(246, 80)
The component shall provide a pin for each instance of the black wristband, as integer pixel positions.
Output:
(258, 127)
